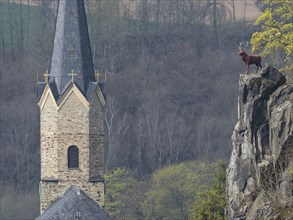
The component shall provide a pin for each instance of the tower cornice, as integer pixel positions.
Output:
(71, 89)
(47, 93)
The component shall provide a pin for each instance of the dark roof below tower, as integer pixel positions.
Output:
(71, 203)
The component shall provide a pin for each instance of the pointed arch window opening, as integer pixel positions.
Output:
(73, 157)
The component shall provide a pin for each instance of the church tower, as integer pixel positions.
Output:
(71, 112)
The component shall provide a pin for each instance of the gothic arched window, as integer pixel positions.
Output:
(73, 157)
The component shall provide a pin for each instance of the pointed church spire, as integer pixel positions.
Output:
(71, 50)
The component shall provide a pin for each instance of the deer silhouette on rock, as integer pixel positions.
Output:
(249, 59)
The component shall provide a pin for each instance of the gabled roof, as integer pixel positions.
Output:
(71, 203)
(71, 49)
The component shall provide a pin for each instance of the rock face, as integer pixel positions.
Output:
(260, 171)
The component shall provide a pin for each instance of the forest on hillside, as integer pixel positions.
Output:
(171, 71)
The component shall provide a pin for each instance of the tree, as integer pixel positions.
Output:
(276, 36)
(116, 127)
(124, 195)
(210, 204)
(174, 188)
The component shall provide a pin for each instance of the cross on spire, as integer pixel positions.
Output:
(72, 74)
(97, 75)
(46, 75)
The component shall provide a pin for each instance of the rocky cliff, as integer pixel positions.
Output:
(260, 171)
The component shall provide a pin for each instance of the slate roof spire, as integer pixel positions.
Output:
(71, 50)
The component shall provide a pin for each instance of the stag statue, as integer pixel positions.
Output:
(248, 58)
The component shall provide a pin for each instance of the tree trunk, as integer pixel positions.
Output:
(2, 49)
(11, 29)
(28, 25)
(233, 10)
(244, 11)
(215, 24)
(21, 20)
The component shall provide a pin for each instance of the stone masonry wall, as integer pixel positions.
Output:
(96, 139)
(48, 119)
(72, 124)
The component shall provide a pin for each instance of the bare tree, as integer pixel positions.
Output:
(155, 138)
(117, 126)
(140, 144)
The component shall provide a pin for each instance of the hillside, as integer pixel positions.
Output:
(171, 86)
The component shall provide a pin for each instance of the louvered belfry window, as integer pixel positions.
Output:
(73, 157)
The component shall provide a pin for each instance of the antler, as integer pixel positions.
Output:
(243, 45)
(240, 46)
